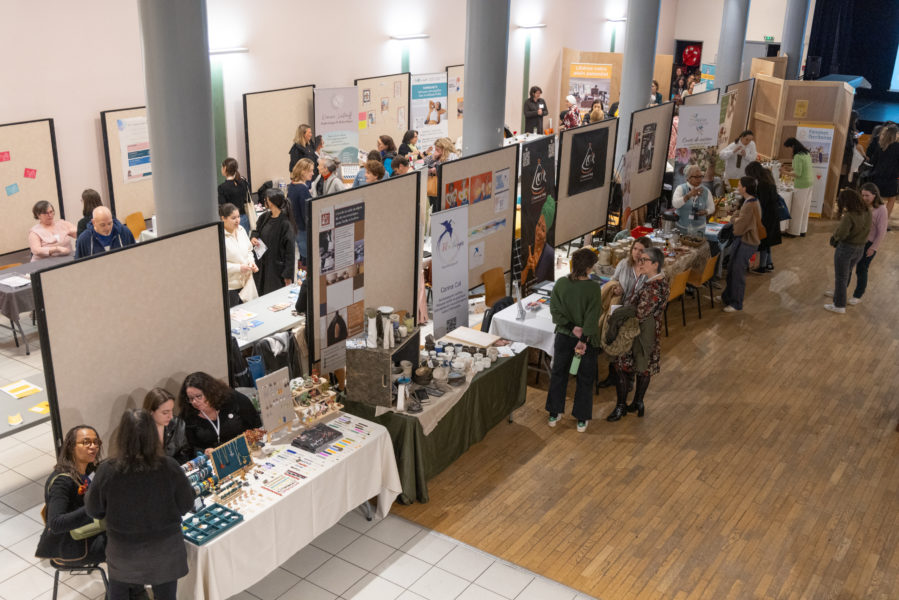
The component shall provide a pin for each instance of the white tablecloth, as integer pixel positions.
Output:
(537, 330)
(272, 321)
(244, 555)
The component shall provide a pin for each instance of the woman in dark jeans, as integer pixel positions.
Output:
(871, 197)
(767, 195)
(849, 240)
(746, 242)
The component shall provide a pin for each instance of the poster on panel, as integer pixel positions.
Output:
(429, 108)
(134, 146)
(726, 119)
(697, 139)
(588, 161)
(341, 242)
(706, 79)
(819, 140)
(450, 269)
(336, 121)
(538, 210)
(589, 82)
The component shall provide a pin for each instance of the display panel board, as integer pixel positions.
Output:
(586, 164)
(270, 121)
(141, 329)
(383, 109)
(742, 102)
(709, 97)
(651, 131)
(486, 182)
(455, 94)
(391, 209)
(125, 140)
(29, 172)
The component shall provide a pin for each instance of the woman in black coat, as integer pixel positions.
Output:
(534, 111)
(213, 413)
(303, 147)
(161, 406)
(142, 494)
(64, 499)
(235, 190)
(885, 157)
(276, 229)
(767, 195)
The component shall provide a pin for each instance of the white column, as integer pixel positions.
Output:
(486, 61)
(730, 44)
(179, 112)
(793, 35)
(637, 68)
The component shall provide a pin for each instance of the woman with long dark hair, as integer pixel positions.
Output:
(879, 219)
(886, 165)
(235, 190)
(90, 200)
(64, 499)
(213, 413)
(408, 146)
(766, 191)
(142, 494)
(746, 242)
(387, 149)
(802, 187)
(849, 242)
(161, 406)
(276, 230)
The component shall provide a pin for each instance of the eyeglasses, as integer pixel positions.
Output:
(49, 212)
(88, 442)
(196, 398)
(643, 260)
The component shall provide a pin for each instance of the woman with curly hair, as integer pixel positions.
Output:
(213, 413)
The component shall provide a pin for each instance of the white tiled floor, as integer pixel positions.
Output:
(392, 559)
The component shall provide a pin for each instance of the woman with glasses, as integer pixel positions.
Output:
(213, 413)
(650, 296)
(64, 500)
(50, 237)
(142, 495)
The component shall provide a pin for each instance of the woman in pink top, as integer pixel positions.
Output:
(49, 237)
(879, 220)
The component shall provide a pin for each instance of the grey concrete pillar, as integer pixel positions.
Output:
(793, 35)
(486, 61)
(637, 68)
(179, 112)
(730, 44)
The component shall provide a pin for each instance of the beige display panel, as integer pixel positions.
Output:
(587, 211)
(646, 186)
(124, 198)
(455, 92)
(742, 102)
(702, 98)
(157, 312)
(486, 216)
(271, 119)
(390, 262)
(386, 100)
(28, 174)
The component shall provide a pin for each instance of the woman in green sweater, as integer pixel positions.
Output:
(802, 187)
(849, 240)
(575, 306)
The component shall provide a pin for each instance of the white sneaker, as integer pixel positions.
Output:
(730, 309)
(582, 426)
(853, 301)
(835, 309)
(829, 293)
(554, 420)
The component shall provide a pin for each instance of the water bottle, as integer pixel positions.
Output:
(575, 364)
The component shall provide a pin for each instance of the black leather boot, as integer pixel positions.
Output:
(620, 409)
(637, 405)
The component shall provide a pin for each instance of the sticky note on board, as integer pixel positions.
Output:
(363, 124)
(4, 156)
(31, 173)
(12, 189)
(363, 116)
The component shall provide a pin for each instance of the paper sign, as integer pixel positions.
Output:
(12, 189)
(31, 173)
(15, 419)
(20, 389)
(4, 156)
(42, 409)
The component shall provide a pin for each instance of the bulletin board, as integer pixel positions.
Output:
(384, 100)
(742, 102)
(390, 254)
(270, 121)
(581, 212)
(134, 196)
(646, 179)
(29, 172)
(702, 98)
(132, 288)
(491, 176)
(455, 92)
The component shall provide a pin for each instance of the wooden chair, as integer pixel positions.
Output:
(494, 281)
(136, 223)
(678, 287)
(696, 281)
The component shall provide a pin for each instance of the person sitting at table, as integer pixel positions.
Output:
(103, 233)
(90, 200)
(172, 433)
(213, 413)
(374, 171)
(360, 179)
(692, 201)
(407, 147)
(142, 494)
(64, 502)
(571, 117)
(50, 237)
(575, 306)
(401, 166)
(328, 180)
(387, 149)
(650, 297)
(275, 229)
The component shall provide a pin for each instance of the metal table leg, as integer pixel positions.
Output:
(366, 510)
(22, 332)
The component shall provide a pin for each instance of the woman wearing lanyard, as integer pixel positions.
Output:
(746, 242)
(213, 413)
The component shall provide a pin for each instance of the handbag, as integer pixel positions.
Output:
(865, 171)
(250, 209)
(783, 213)
(432, 186)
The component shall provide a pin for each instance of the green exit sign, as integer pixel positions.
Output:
(769, 38)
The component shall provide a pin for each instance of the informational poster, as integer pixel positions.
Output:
(538, 210)
(588, 161)
(589, 82)
(819, 140)
(449, 263)
(275, 400)
(627, 167)
(726, 133)
(471, 190)
(645, 140)
(706, 79)
(341, 241)
(134, 144)
(428, 108)
(697, 139)
(336, 120)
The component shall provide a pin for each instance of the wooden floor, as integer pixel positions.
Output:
(767, 465)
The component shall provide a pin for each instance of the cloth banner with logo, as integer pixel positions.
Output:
(449, 275)
(818, 139)
(538, 210)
